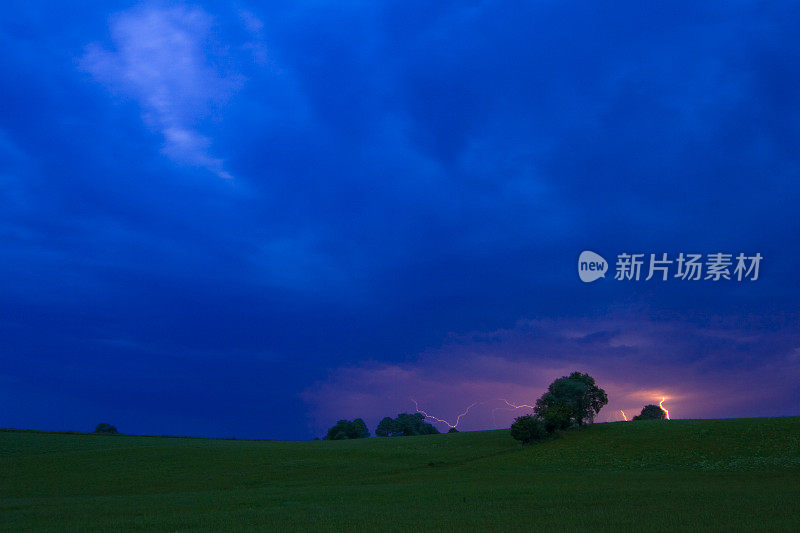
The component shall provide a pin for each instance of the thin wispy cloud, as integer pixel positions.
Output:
(162, 59)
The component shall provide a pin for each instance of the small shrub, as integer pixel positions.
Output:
(528, 429)
(106, 429)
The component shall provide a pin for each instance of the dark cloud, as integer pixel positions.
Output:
(216, 208)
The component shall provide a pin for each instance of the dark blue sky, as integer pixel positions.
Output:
(255, 219)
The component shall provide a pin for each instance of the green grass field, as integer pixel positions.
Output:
(684, 475)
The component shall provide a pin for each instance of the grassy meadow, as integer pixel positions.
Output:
(679, 475)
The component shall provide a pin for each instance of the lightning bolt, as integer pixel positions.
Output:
(514, 406)
(662, 407)
(443, 421)
(511, 407)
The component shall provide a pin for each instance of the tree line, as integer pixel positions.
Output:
(404, 425)
(569, 402)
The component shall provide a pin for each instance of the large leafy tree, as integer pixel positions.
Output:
(570, 400)
(385, 427)
(345, 429)
(405, 425)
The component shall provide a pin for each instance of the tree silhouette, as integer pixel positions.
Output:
(345, 429)
(405, 425)
(651, 412)
(573, 399)
(106, 429)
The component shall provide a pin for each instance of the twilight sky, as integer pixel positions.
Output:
(253, 219)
